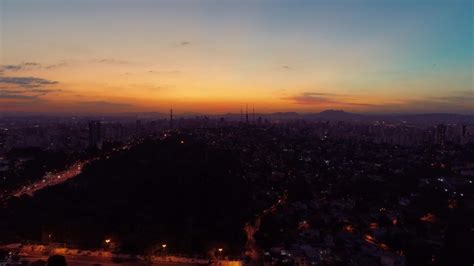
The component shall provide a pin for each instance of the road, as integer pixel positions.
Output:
(250, 228)
(93, 261)
(51, 179)
(57, 177)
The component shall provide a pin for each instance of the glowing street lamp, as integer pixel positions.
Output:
(220, 252)
(163, 252)
(107, 243)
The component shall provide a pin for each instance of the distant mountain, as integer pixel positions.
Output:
(326, 115)
(340, 115)
(430, 118)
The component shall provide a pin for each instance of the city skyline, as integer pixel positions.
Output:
(215, 57)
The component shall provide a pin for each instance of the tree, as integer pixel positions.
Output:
(57, 260)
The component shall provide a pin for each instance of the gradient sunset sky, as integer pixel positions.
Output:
(215, 56)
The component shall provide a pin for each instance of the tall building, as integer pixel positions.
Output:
(247, 114)
(171, 118)
(463, 132)
(241, 115)
(95, 134)
(138, 127)
(440, 134)
(3, 140)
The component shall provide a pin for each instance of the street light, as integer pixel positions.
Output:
(220, 253)
(108, 243)
(163, 253)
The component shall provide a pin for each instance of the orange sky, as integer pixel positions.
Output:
(148, 56)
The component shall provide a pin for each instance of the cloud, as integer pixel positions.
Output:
(286, 67)
(56, 65)
(25, 93)
(164, 71)
(315, 98)
(11, 67)
(458, 97)
(101, 106)
(28, 66)
(111, 61)
(41, 92)
(181, 44)
(4, 95)
(104, 104)
(25, 88)
(26, 82)
(311, 98)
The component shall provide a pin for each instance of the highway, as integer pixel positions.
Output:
(51, 179)
(57, 177)
(94, 261)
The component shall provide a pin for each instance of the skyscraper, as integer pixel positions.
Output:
(247, 114)
(138, 127)
(440, 134)
(253, 115)
(171, 118)
(462, 133)
(95, 134)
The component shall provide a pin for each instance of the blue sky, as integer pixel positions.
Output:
(366, 56)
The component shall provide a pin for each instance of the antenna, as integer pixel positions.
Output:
(171, 118)
(247, 113)
(241, 115)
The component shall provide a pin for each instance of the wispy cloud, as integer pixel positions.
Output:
(164, 71)
(101, 106)
(11, 67)
(26, 82)
(25, 66)
(457, 97)
(26, 88)
(182, 44)
(6, 95)
(316, 98)
(104, 104)
(112, 61)
(41, 92)
(53, 66)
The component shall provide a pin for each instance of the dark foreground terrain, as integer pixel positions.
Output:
(281, 194)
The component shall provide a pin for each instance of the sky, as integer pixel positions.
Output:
(206, 56)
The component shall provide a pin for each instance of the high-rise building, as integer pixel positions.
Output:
(247, 114)
(440, 134)
(253, 115)
(241, 115)
(138, 127)
(95, 134)
(171, 118)
(463, 132)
